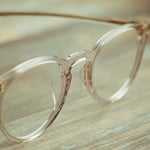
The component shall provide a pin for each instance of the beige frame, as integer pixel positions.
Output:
(67, 64)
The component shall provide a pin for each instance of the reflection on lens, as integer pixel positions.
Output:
(113, 64)
(30, 99)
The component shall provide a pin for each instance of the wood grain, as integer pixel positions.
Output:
(84, 124)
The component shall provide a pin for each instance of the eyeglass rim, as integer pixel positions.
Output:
(142, 39)
(11, 75)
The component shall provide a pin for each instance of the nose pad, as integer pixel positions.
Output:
(79, 69)
(84, 74)
(78, 80)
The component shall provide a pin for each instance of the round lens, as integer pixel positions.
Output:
(31, 98)
(113, 64)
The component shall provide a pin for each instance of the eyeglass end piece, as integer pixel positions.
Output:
(1, 88)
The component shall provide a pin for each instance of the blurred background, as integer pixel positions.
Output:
(114, 8)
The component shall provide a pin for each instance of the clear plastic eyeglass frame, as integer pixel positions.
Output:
(142, 28)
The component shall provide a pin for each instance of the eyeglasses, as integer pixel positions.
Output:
(42, 83)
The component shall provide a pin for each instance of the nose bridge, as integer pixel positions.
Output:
(79, 57)
(77, 62)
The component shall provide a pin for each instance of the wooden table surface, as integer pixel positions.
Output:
(84, 123)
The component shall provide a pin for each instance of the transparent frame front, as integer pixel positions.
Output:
(88, 57)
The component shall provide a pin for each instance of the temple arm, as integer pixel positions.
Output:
(103, 20)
